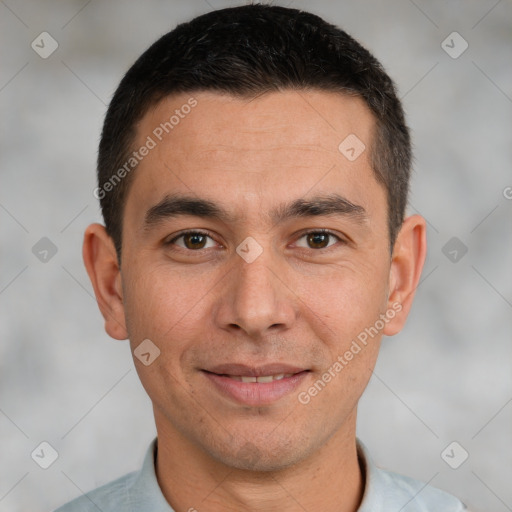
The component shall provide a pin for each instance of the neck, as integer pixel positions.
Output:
(330, 480)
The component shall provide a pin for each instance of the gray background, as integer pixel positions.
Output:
(446, 377)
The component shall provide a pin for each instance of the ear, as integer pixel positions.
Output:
(100, 260)
(407, 262)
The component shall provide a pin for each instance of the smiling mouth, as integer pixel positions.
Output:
(275, 371)
(256, 386)
(261, 379)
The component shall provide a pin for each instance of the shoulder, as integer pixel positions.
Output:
(386, 490)
(134, 492)
(417, 496)
(111, 497)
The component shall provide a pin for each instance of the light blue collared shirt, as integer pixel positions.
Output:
(384, 491)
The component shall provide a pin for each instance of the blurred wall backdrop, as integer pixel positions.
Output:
(445, 379)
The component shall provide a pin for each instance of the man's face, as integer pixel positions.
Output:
(290, 299)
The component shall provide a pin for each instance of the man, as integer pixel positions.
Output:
(253, 175)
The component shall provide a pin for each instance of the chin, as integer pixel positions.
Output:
(260, 457)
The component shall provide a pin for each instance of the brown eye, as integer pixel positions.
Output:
(192, 240)
(319, 239)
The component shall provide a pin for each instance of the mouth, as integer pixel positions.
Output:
(263, 378)
(255, 386)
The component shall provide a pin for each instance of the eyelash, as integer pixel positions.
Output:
(205, 233)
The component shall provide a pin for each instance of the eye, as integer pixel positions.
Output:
(192, 240)
(319, 239)
(197, 240)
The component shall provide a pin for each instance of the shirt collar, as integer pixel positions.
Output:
(371, 480)
(145, 493)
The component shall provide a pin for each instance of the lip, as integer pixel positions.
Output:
(254, 371)
(255, 393)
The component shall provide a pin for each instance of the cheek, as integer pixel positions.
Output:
(162, 305)
(161, 308)
(345, 301)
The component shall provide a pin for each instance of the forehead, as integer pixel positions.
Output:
(252, 151)
(317, 119)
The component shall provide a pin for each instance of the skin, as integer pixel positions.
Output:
(297, 303)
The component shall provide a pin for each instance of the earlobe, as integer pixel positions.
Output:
(100, 260)
(407, 263)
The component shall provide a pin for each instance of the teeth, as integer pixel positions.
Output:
(262, 379)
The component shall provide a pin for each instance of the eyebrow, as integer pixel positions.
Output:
(172, 206)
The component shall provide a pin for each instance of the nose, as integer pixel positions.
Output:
(256, 299)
